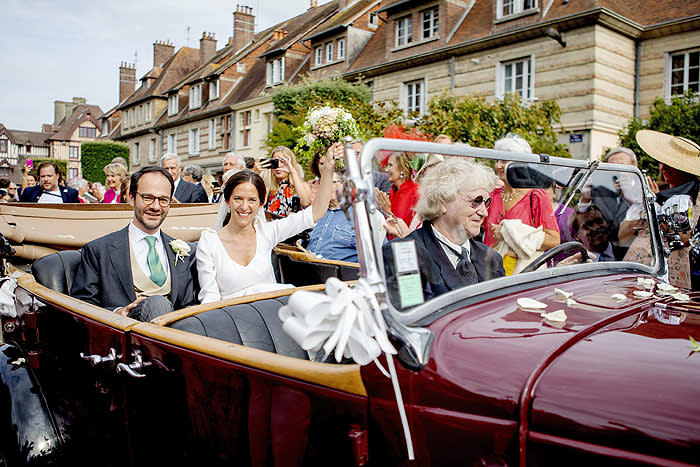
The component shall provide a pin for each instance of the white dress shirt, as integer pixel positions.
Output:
(138, 243)
(51, 197)
(449, 248)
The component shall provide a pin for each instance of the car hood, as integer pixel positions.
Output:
(483, 354)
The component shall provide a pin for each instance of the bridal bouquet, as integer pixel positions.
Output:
(324, 126)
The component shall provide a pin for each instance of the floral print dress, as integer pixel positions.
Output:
(280, 202)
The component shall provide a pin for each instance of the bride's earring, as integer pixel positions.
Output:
(400, 174)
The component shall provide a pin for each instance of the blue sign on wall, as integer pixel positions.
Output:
(575, 138)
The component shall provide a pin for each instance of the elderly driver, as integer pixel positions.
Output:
(453, 206)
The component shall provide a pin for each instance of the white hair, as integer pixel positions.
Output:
(169, 155)
(513, 143)
(240, 165)
(439, 187)
(622, 150)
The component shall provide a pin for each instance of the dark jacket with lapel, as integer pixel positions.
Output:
(31, 194)
(104, 275)
(437, 274)
(190, 193)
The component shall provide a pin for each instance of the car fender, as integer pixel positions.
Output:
(29, 434)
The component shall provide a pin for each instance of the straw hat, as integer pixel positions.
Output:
(674, 151)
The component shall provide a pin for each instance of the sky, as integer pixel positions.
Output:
(55, 50)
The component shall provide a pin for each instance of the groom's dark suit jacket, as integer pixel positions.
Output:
(104, 275)
(437, 274)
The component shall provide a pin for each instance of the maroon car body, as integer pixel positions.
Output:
(483, 381)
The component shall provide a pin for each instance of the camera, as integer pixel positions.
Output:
(676, 216)
(270, 163)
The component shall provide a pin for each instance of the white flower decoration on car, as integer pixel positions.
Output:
(181, 249)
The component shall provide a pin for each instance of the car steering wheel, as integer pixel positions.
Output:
(549, 254)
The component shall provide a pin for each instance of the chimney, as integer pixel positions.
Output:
(314, 4)
(243, 27)
(127, 80)
(278, 34)
(61, 109)
(207, 47)
(162, 51)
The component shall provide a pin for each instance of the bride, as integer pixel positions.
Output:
(235, 260)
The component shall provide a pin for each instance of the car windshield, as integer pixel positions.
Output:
(534, 206)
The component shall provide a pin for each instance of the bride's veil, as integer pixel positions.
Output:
(223, 207)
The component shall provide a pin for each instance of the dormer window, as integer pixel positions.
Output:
(318, 55)
(404, 31)
(195, 96)
(515, 7)
(373, 19)
(214, 90)
(341, 49)
(329, 52)
(275, 71)
(172, 105)
(430, 23)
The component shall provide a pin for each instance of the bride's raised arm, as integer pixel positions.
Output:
(323, 196)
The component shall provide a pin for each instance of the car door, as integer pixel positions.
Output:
(217, 403)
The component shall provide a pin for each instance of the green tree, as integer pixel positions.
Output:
(472, 120)
(96, 154)
(680, 117)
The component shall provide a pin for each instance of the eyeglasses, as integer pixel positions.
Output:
(164, 201)
(476, 202)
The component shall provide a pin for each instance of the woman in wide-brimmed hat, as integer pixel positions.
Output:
(679, 164)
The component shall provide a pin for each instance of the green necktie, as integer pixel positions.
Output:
(157, 273)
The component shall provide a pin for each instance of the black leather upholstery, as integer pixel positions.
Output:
(57, 270)
(251, 324)
(300, 273)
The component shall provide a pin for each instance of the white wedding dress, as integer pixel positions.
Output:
(221, 278)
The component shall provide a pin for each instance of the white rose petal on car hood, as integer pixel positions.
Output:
(556, 316)
(531, 304)
(618, 296)
(642, 294)
(666, 287)
(681, 297)
(560, 294)
(647, 283)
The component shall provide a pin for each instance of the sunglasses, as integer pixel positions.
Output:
(476, 202)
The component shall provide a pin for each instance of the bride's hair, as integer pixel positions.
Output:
(244, 176)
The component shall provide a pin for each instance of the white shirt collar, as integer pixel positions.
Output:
(137, 234)
(452, 245)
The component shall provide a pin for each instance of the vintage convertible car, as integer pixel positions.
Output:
(613, 379)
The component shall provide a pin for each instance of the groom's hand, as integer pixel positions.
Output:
(125, 310)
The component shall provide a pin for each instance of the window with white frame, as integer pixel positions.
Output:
(404, 31)
(72, 173)
(341, 48)
(105, 126)
(244, 129)
(516, 76)
(329, 52)
(139, 115)
(415, 96)
(149, 110)
(430, 23)
(275, 71)
(132, 117)
(194, 141)
(214, 90)
(135, 156)
(195, 96)
(318, 55)
(74, 152)
(172, 105)
(514, 7)
(683, 69)
(373, 19)
(172, 143)
(152, 150)
(212, 133)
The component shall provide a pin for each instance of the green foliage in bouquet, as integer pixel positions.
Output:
(680, 117)
(322, 127)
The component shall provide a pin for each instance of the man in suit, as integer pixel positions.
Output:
(133, 270)
(48, 190)
(454, 204)
(185, 192)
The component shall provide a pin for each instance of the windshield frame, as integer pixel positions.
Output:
(419, 312)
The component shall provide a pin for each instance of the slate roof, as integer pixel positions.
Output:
(33, 138)
(80, 113)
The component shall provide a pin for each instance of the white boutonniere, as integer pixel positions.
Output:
(181, 249)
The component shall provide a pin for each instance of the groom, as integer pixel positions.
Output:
(137, 271)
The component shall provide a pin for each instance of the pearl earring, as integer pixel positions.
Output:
(401, 175)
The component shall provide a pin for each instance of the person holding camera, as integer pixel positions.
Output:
(285, 184)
